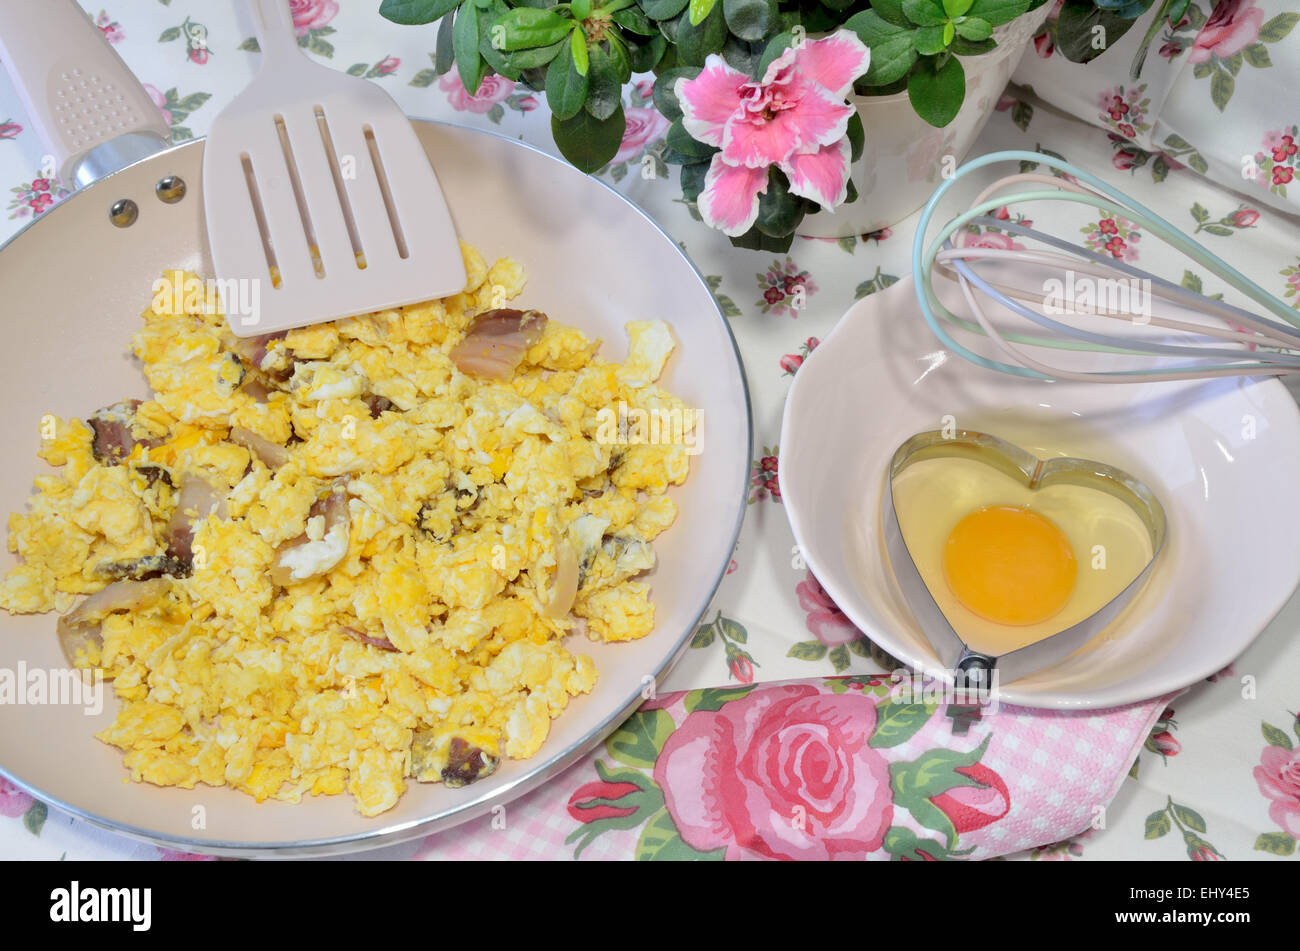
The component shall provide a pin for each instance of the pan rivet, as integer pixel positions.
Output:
(123, 213)
(170, 189)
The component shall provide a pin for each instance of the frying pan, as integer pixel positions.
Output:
(74, 284)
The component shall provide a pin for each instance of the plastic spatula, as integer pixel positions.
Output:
(318, 193)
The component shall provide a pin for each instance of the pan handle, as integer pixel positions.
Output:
(86, 106)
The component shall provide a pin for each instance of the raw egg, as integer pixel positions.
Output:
(1009, 565)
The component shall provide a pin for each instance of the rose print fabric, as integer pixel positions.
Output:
(776, 735)
(1215, 92)
(838, 769)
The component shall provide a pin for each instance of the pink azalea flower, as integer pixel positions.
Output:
(795, 118)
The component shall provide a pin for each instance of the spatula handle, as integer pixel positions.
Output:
(273, 24)
(80, 97)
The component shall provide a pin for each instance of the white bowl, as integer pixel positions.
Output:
(1222, 456)
(74, 287)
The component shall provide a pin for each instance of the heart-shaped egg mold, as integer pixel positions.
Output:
(1032, 475)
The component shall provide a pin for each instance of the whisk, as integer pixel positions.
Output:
(1251, 344)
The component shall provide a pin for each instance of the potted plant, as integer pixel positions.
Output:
(793, 79)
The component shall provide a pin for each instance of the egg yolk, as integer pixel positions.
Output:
(1009, 565)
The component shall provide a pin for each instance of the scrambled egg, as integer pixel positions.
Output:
(387, 554)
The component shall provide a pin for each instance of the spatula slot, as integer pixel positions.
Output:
(345, 205)
(295, 181)
(382, 177)
(259, 213)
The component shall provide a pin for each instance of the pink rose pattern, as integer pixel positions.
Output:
(495, 94)
(782, 773)
(764, 481)
(1115, 235)
(1278, 163)
(310, 15)
(788, 771)
(1125, 110)
(784, 287)
(1232, 27)
(1292, 274)
(1278, 779)
(791, 362)
(733, 637)
(36, 197)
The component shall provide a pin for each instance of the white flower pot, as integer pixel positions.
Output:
(903, 159)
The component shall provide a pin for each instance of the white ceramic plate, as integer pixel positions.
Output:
(73, 287)
(1223, 457)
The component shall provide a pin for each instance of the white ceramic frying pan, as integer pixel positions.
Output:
(73, 284)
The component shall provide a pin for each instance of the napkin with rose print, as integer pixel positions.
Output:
(840, 768)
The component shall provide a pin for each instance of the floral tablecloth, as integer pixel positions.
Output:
(1216, 774)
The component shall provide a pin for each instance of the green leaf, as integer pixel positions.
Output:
(839, 658)
(1159, 169)
(925, 12)
(703, 636)
(536, 57)
(1158, 824)
(749, 19)
(1278, 27)
(697, 10)
(807, 650)
(638, 741)
(712, 698)
(1232, 63)
(250, 45)
(588, 142)
(525, 27)
(464, 41)
(416, 11)
(931, 774)
(974, 29)
(696, 41)
(903, 842)
(357, 69)
(1198, 163)
(1175, 141)
(578, 47)
(1275, 843)
(998, 12)
(662, 9)
(1201, 70)
(929, 40)
(892, 12)
(898, 722)
(682, 142)
(1022, 113)
(779, 213)
(692, 182)
(964, 47)
(661, 842)
(581, 9)
(1189, 817)
(1074, 30)
(956, 8)
(775, 47)
(1199, 212)
(857, 136)
(859, 645)
(605, 87)
(35, 816)
(169, 34)
(1219, 230)
(1275, 736)
(316, 45)
(949, 33)
(734, 630)
(444, 56)
(566, 87)
(1192, 282)
(645, 56)
(665, 97)
(423, 78)
(937, 95)
(633, 19)
(893, 50)
(932, 817)
(1257, 55)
